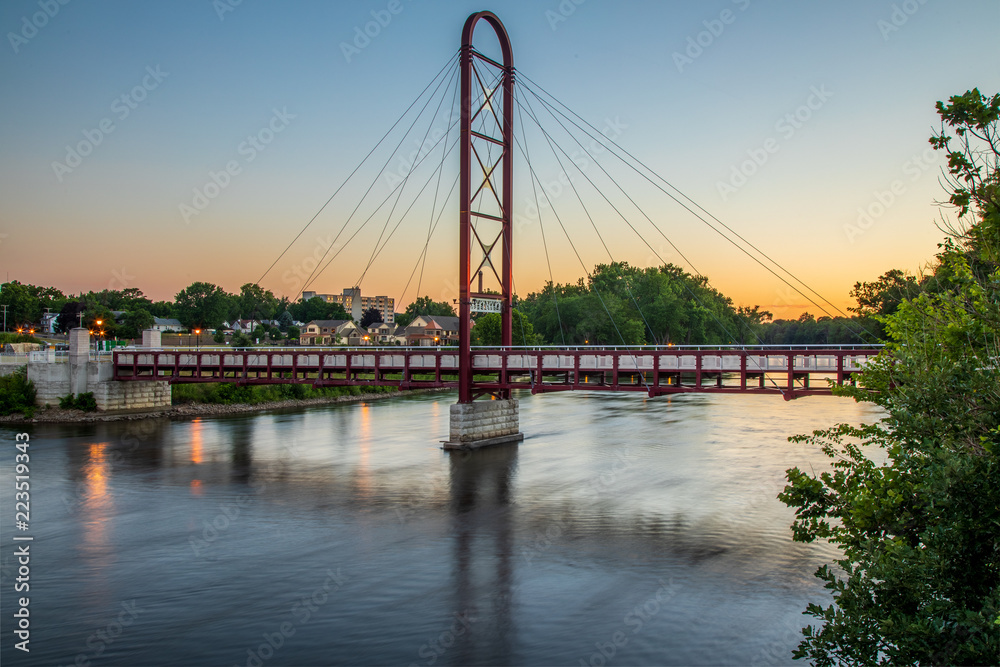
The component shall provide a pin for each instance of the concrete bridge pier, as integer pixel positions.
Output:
(80, 375)
(484, 423)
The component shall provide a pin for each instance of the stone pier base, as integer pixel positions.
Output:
(483, 423)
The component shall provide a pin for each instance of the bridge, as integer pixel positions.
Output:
(485, 230)
(789, 371)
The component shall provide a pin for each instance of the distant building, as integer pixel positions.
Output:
(326, 332)
(356, 304)
(432, 330)
(381, 333)
(167, 324)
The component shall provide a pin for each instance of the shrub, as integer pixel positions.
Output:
(85, 402)
(17, 393)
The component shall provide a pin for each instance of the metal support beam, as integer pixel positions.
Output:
(484, 177)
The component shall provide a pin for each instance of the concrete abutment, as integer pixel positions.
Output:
(484, 423)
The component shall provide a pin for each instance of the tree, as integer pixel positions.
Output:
(202, 305)
(293, 333)
(424, 306)
(240, 339)
(919, 573)
(136, 321)
(69, 316)
(882, 297)
(487, 330)
(26, 303)
(255, 302)
(370, 317)
(317, 309)
(285, 320)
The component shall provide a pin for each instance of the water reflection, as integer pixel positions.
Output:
(97, 510)
(481, 485)
(511, 555)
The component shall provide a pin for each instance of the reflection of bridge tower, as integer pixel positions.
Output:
(486, 201)
(480, 508)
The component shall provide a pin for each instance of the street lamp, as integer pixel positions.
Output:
(197, 332)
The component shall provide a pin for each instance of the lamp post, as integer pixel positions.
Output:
(97, 342)
(197, 332)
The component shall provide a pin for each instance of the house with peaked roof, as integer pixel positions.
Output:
(331, 332)
(383, 333)
(430, 330)
(167, 324)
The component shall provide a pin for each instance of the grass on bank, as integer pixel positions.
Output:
(11, 337)
(227, 393)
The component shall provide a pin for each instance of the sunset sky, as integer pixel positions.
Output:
(826, 108)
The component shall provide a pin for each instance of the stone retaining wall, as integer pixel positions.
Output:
(54, 380)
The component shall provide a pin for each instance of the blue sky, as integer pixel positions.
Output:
(210, 74)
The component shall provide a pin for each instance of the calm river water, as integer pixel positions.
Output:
(622, 531)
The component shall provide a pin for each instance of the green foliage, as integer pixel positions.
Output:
(240, 339)
(808, 330)
(621, 304)
(255, 302)
(27, 303)
(370, 317)
(219, 337)
(487, 330)
(203, 305)
(84, 401)
(135, 322)
(229, 393)
(293, 333)
(17, 393)
(317, 308)
(13, 337)
(69, 316)
(918, 580)
(881, 298)
(424, 305)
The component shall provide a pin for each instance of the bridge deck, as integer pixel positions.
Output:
(790, 371)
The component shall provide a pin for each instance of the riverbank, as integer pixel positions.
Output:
(60, 415)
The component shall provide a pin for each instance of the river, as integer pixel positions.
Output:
(622, 531)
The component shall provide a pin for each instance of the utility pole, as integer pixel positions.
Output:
(5, 318)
